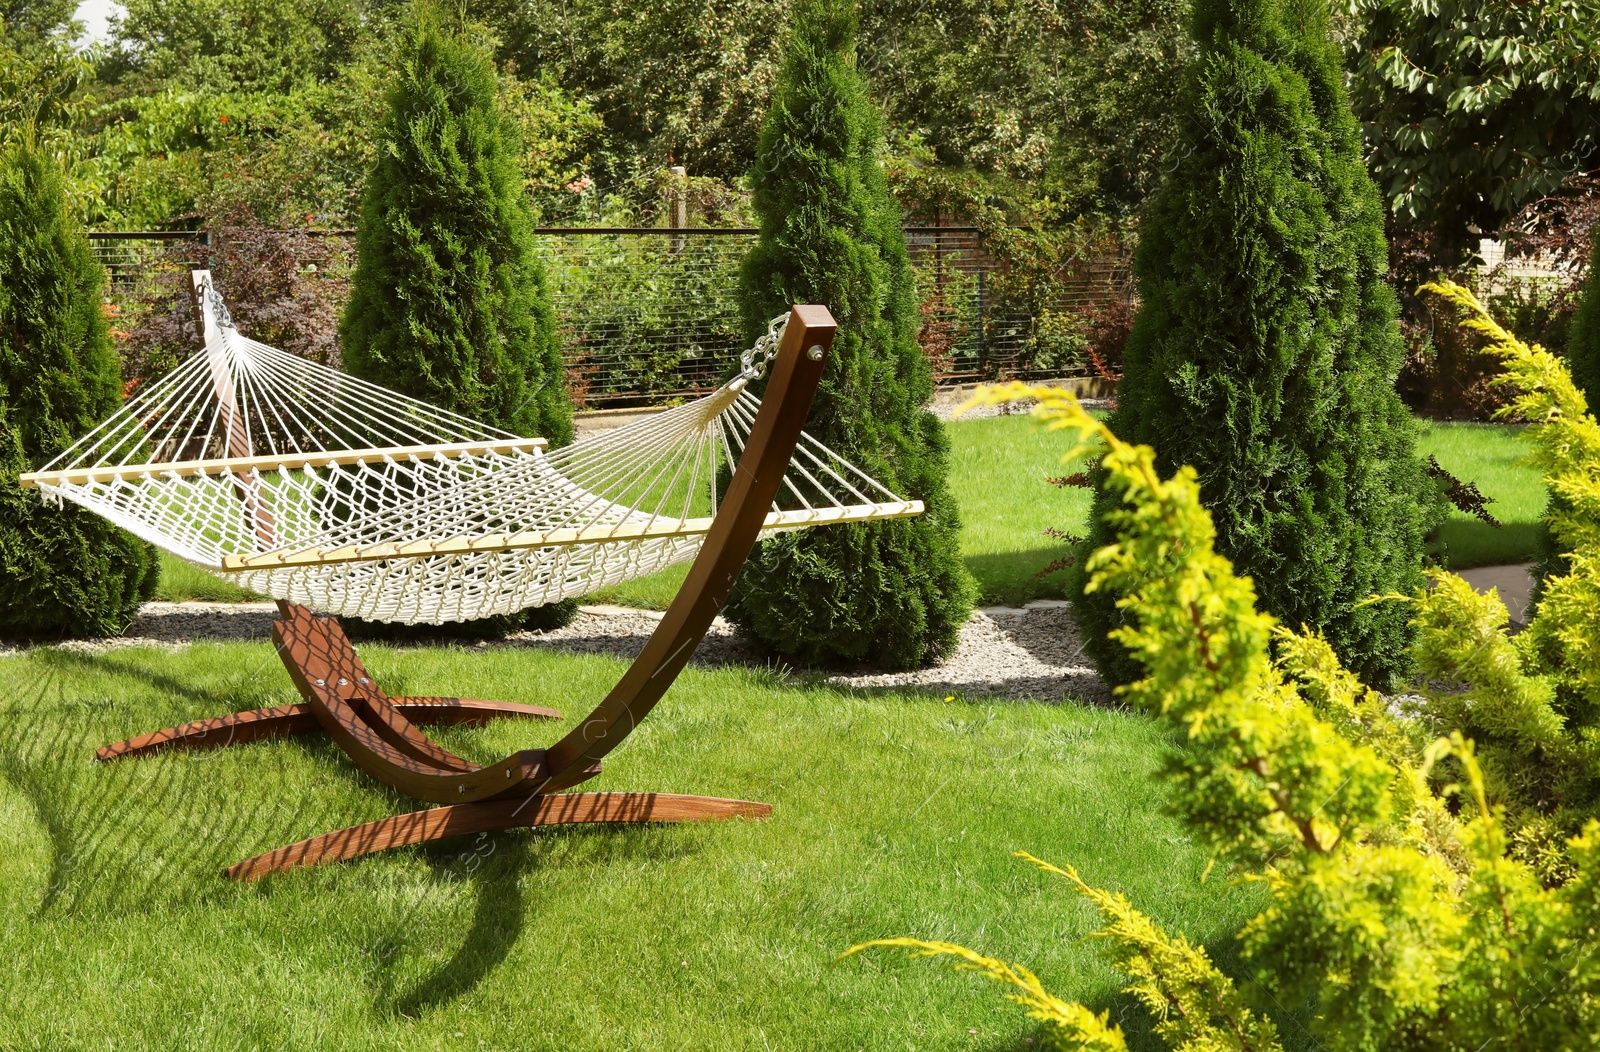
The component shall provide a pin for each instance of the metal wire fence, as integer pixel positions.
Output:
(128, 254)
(648, 315)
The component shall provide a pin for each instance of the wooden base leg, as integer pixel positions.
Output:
(437, 823)
(256, 724)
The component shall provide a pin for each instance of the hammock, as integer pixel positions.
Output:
(312, 486)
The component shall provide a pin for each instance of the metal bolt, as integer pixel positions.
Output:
(814, 352)
(461, 789)
(363, 679)
(322, 683)
(343, 682)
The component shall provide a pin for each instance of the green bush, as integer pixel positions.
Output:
(63, 571)
(1583, 359)
(1583, 348)
(449, 301)
(1266, 347)
(895, 592)
(1531, 702)
(652, 317)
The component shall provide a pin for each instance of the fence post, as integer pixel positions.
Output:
(680, 203)
(983, 347)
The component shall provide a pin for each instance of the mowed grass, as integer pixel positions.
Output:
(1492, 457)
(896, 814)
(181, 582)
(998, 468)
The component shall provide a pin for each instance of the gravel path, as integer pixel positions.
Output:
(1005, 652)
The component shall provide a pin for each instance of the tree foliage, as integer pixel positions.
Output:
(1265, 349)
(892, 592)
(1583, 347)
(232, 47)
(448, 302)
(1069, 96)
(31, 23)
(1072, 99)
(44, 79)
(679, 81)
(1473, 108)
(63, 571)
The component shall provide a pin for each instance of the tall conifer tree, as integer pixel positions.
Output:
(63, 571)
(1266, 347)
(1583, 359)
(894, 593)
(1583, 346)
(449, 301)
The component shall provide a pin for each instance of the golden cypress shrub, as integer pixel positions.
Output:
(1409, 912)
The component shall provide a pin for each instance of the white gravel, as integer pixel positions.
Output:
(1007, 652)
(1013, 653)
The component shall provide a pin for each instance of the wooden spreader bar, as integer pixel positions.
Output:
(494, 542)
(287, 462)
(526, 788)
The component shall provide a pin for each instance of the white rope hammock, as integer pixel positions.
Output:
(306, 484)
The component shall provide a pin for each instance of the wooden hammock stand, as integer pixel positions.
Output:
(527, 788)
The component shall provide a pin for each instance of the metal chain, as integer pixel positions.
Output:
(224, 319)
(753, 362)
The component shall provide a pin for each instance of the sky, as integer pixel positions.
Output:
(93, 14)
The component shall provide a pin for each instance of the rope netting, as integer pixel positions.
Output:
(306, 484)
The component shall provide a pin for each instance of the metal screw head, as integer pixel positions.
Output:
(364, 679)
(343, 682)
(322, 683)
(814, 352)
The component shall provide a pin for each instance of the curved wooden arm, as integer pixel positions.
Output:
(796, 371)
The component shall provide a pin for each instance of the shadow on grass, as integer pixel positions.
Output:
(494, 866)
(1470, 543)
(146, 831)
(124, 836)
(1008, 578)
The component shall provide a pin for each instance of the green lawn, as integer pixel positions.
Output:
(998, 466)
(1492, 457)
(895, 814)
(181, 581)
(997, 469)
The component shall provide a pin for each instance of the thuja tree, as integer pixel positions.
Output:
(448, 302)
(1583, 346)
(63, 571)
(1266, 347)
(1583, 359)
(895, 592)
